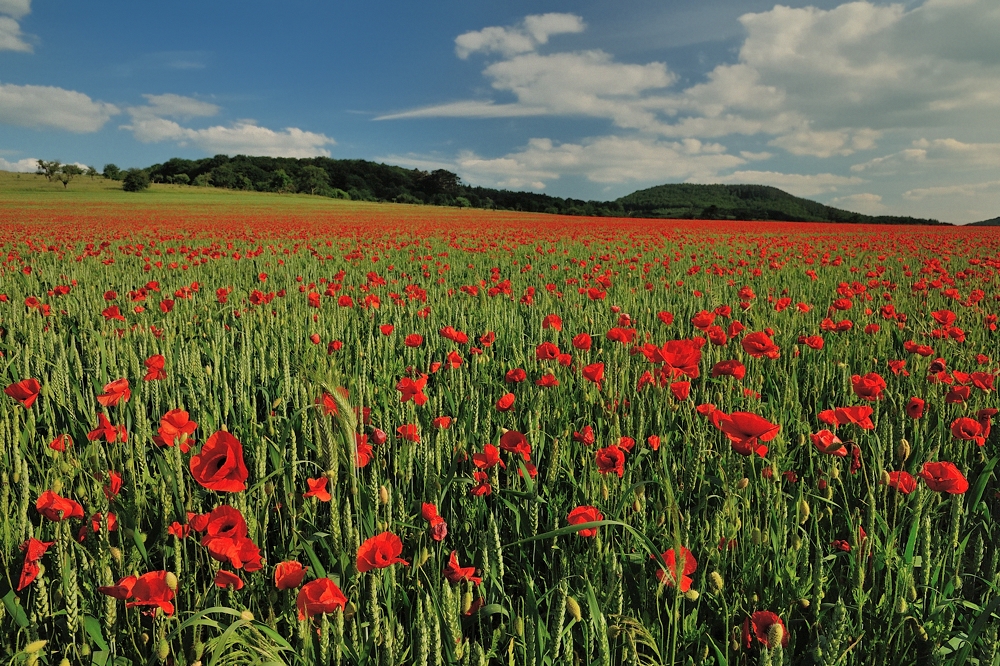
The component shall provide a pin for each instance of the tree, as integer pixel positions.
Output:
(91, 171)
(48, 169)
(112, 172)
(67, 173)
(281, 182)
(313, 179)
(135, 180)
(182, 179)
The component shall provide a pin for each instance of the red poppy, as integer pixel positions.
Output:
(898, 367)
(610, 459)
(730, 369)
(859, 416)
(482, 486)
(24, 391)
(386, 329)
(412, 389)
(687, 566)
(546, 351)
(319, 596)
(289, 575)
(811, 341)
(114, 485)
(552, 321)
(944, 477)
(454, 359)
(760, 344)
(379, 552)
(317, 489)
(585, 436)
(680, 356)
(585, 514)
(915, 408)
(57, 508)
(547, 381)
(968, 429)
(869, 387)
(154, 368)
(513, 441)
(745, 430)
(506, 402)
(828, 443)
(178, 530)
(654, 442)
(488, 458)
(582, 341)
(151, 589)
(413, 340)
(594, 373)
(228, 580)
(219, 465)
(762, 621)
(175, 424)
(456, 574)
(60, 443)
(957, 395)
(902, 481)
(681, 390)
(121, 590)
(515, 376)
(409, 432)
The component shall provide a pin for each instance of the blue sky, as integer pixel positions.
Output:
(883, 108)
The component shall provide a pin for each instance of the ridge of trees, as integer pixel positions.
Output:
(362, 180)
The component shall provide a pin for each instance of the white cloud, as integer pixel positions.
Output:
(866, 203)
(961, 190)
(27, 165)
(534, 31)
(242, 137)
(51, 107)
(801, 185)
(826, 144)
(15, 8)
(11, 38)
(941, 154)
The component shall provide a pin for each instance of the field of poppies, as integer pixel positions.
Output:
(400, 435)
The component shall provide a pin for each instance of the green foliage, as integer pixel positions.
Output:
(135, 180)
(112, 172)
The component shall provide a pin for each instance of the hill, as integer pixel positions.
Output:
(995, 222)
(742, 202)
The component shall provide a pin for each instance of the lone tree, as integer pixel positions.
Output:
(112, 172)
(49, 169)
(67, 173)
(136, 180)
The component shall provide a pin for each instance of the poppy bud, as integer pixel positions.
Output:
(742, 483)
(424, 556)
(573, 608)
(692, 595)
(116, 554)
(208, 370)
(796, 542)
(803, 511)
(802, 439)
(755, 536)
(716, 579)
(636, 506)
(901, 606)
(803, 603)
(34, 646)
(835, 473)
(162, 651)
(383, 495)
(170, 580)
(885, 478)
(604, 491)
(903, 451)
(269, 489)
(57, 485)
(246, 615)
(519, 626)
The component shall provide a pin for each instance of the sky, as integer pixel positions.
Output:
(875, 107)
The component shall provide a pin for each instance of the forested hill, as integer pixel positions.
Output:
(370, 181)
(995, 222)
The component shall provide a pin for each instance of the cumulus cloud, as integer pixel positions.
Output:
(152, 123)
(27, 165)
(865, 202)
(534, 31)
(50, 107)
(11, 38)
(961, 190)
(801, 185)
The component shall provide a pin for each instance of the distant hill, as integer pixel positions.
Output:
(743, 202)
(995, 222)
(362, 180)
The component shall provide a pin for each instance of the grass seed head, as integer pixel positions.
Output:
(775, 634)
(717, 583)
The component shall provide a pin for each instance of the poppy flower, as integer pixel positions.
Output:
(154, 368)
(487, 339)
(412, 389)
(944, 477)
(112, 313)
(828, 443)
(811, 341)
(760, 344)
(175, 424)
(681, 390)
(442, 422)
(585, 514)
(546, 351)
(552, 321)
(681, 357)
(762, 621)
(228, 580)
(60, 443)
(289, 575)
(957, 395)
(687, 566)
(105, 430)
(610, 459)
(24, 391)
(454, 359)
(413, 340)
(482, 486)
(666, 317)
(409, 432)
(121, 590)
(731, 368)
(859, 416)
(363, 450)
(594, 373)
(455, 574)
(547, 381)
(219, 465)
(654, 442)
(57, 508)
(319, 596)
(178, 530)
(513, 441)
(868, 387)
(582, 341)
(380, 551)
(898, 367)
(968, 429)
(151, 589)
(386, 329)
(515, 376)
(506, 402)
(745, 430)
(488, 458)
(902, 482)
(114, 485)
(317, 489)
(585, 436)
